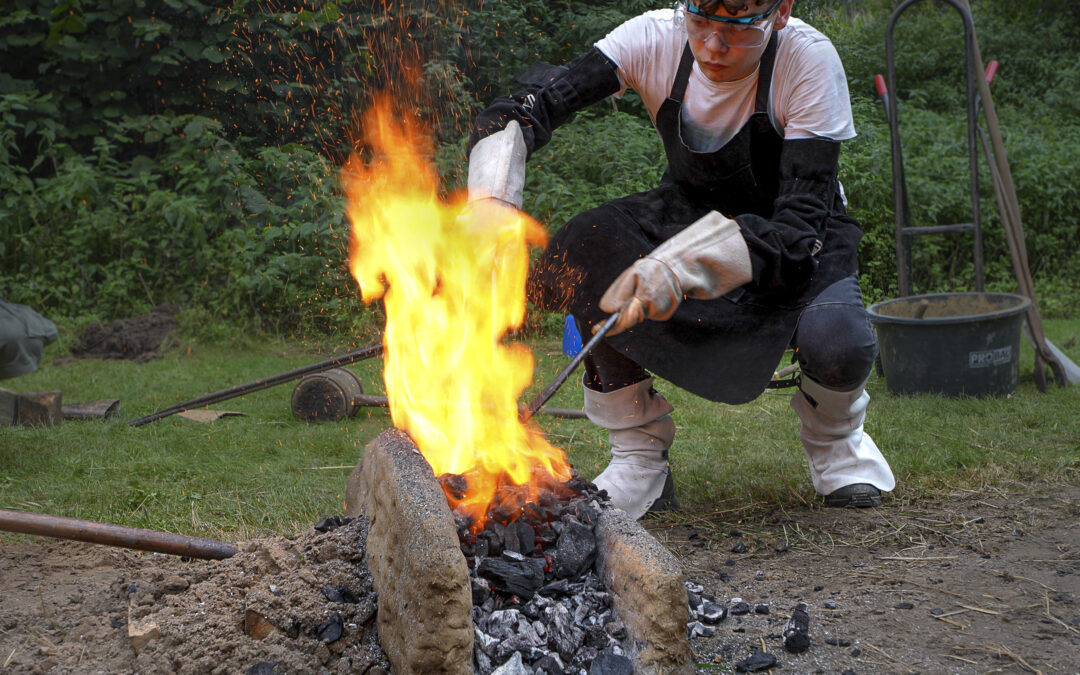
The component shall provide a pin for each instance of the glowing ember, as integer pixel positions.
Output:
(452, 287)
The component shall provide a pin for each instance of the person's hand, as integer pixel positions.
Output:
(647, 289)
(706, 260)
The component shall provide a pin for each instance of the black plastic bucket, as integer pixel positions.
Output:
(957, 344)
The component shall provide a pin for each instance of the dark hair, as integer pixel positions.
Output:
(732, 6)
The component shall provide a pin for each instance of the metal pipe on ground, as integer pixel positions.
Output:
(109, 534)
(265, 383)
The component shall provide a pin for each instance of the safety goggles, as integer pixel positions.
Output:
(741, 31)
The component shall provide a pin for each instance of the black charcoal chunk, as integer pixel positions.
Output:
(697, 629)
(328, 523)
(712, 613)
(513, 666)
(758, 660)
(797, 630)
(521, 578)
(261, 668)
(576, 549)
(549, 664)
(609, 663)
(740, 609)
(332, 630)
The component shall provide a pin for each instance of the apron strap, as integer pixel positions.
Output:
(765, 71)
(678, 88)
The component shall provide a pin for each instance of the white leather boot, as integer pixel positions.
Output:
(638, 478)
(845, 463)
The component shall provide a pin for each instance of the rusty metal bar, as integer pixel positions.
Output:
(526, 413)
(114, 535)
(370, 401)
(257, 385)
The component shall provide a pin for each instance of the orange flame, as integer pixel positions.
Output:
(452, 285)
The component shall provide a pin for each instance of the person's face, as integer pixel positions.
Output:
(719, 60)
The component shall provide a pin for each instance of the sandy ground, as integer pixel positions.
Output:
(974, 583)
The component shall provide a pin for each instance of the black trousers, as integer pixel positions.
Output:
(834, 344)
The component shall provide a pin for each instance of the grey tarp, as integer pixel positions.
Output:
(23, 335)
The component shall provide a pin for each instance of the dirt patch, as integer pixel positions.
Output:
(280, 605)
(136, 339)
(975, 582)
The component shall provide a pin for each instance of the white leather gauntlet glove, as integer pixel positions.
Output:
(496, 180)
(706, 260)
(497, 167)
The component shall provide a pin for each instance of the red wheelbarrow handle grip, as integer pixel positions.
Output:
(879, 84)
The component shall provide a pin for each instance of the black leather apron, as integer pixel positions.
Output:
(724, 349)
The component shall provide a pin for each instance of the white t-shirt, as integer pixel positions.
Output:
(808, 98)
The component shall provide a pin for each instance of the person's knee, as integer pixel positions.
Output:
(836, 346)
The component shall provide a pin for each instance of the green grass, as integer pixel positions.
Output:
(267, 472)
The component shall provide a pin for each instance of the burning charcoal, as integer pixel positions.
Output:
(740, 608)
(550, 664)
(530, 610)
(523, 536)
(508, 502)
(595, 637)
(559, 587)
(462, 523)
(712, 613)
(535, 512)
(261, 668)
(503, 623)
(482, 660)
(495, 535)
(332, 630)
(563, 635)
(585, 656)
(758, 660)
(585, 512)
(575, 550)
(525, 638)
(609, 663)
(328, 523)
(480, 548)
(454, 486)
(581, 486)
(485, 642)
(697, 629)
(797, 630)
(481, 590)
(513, 666)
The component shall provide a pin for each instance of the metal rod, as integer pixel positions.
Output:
(375, 401)
(549, 391)
(114, 535)
(265, 383)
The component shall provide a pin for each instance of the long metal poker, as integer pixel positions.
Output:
(549, 391)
